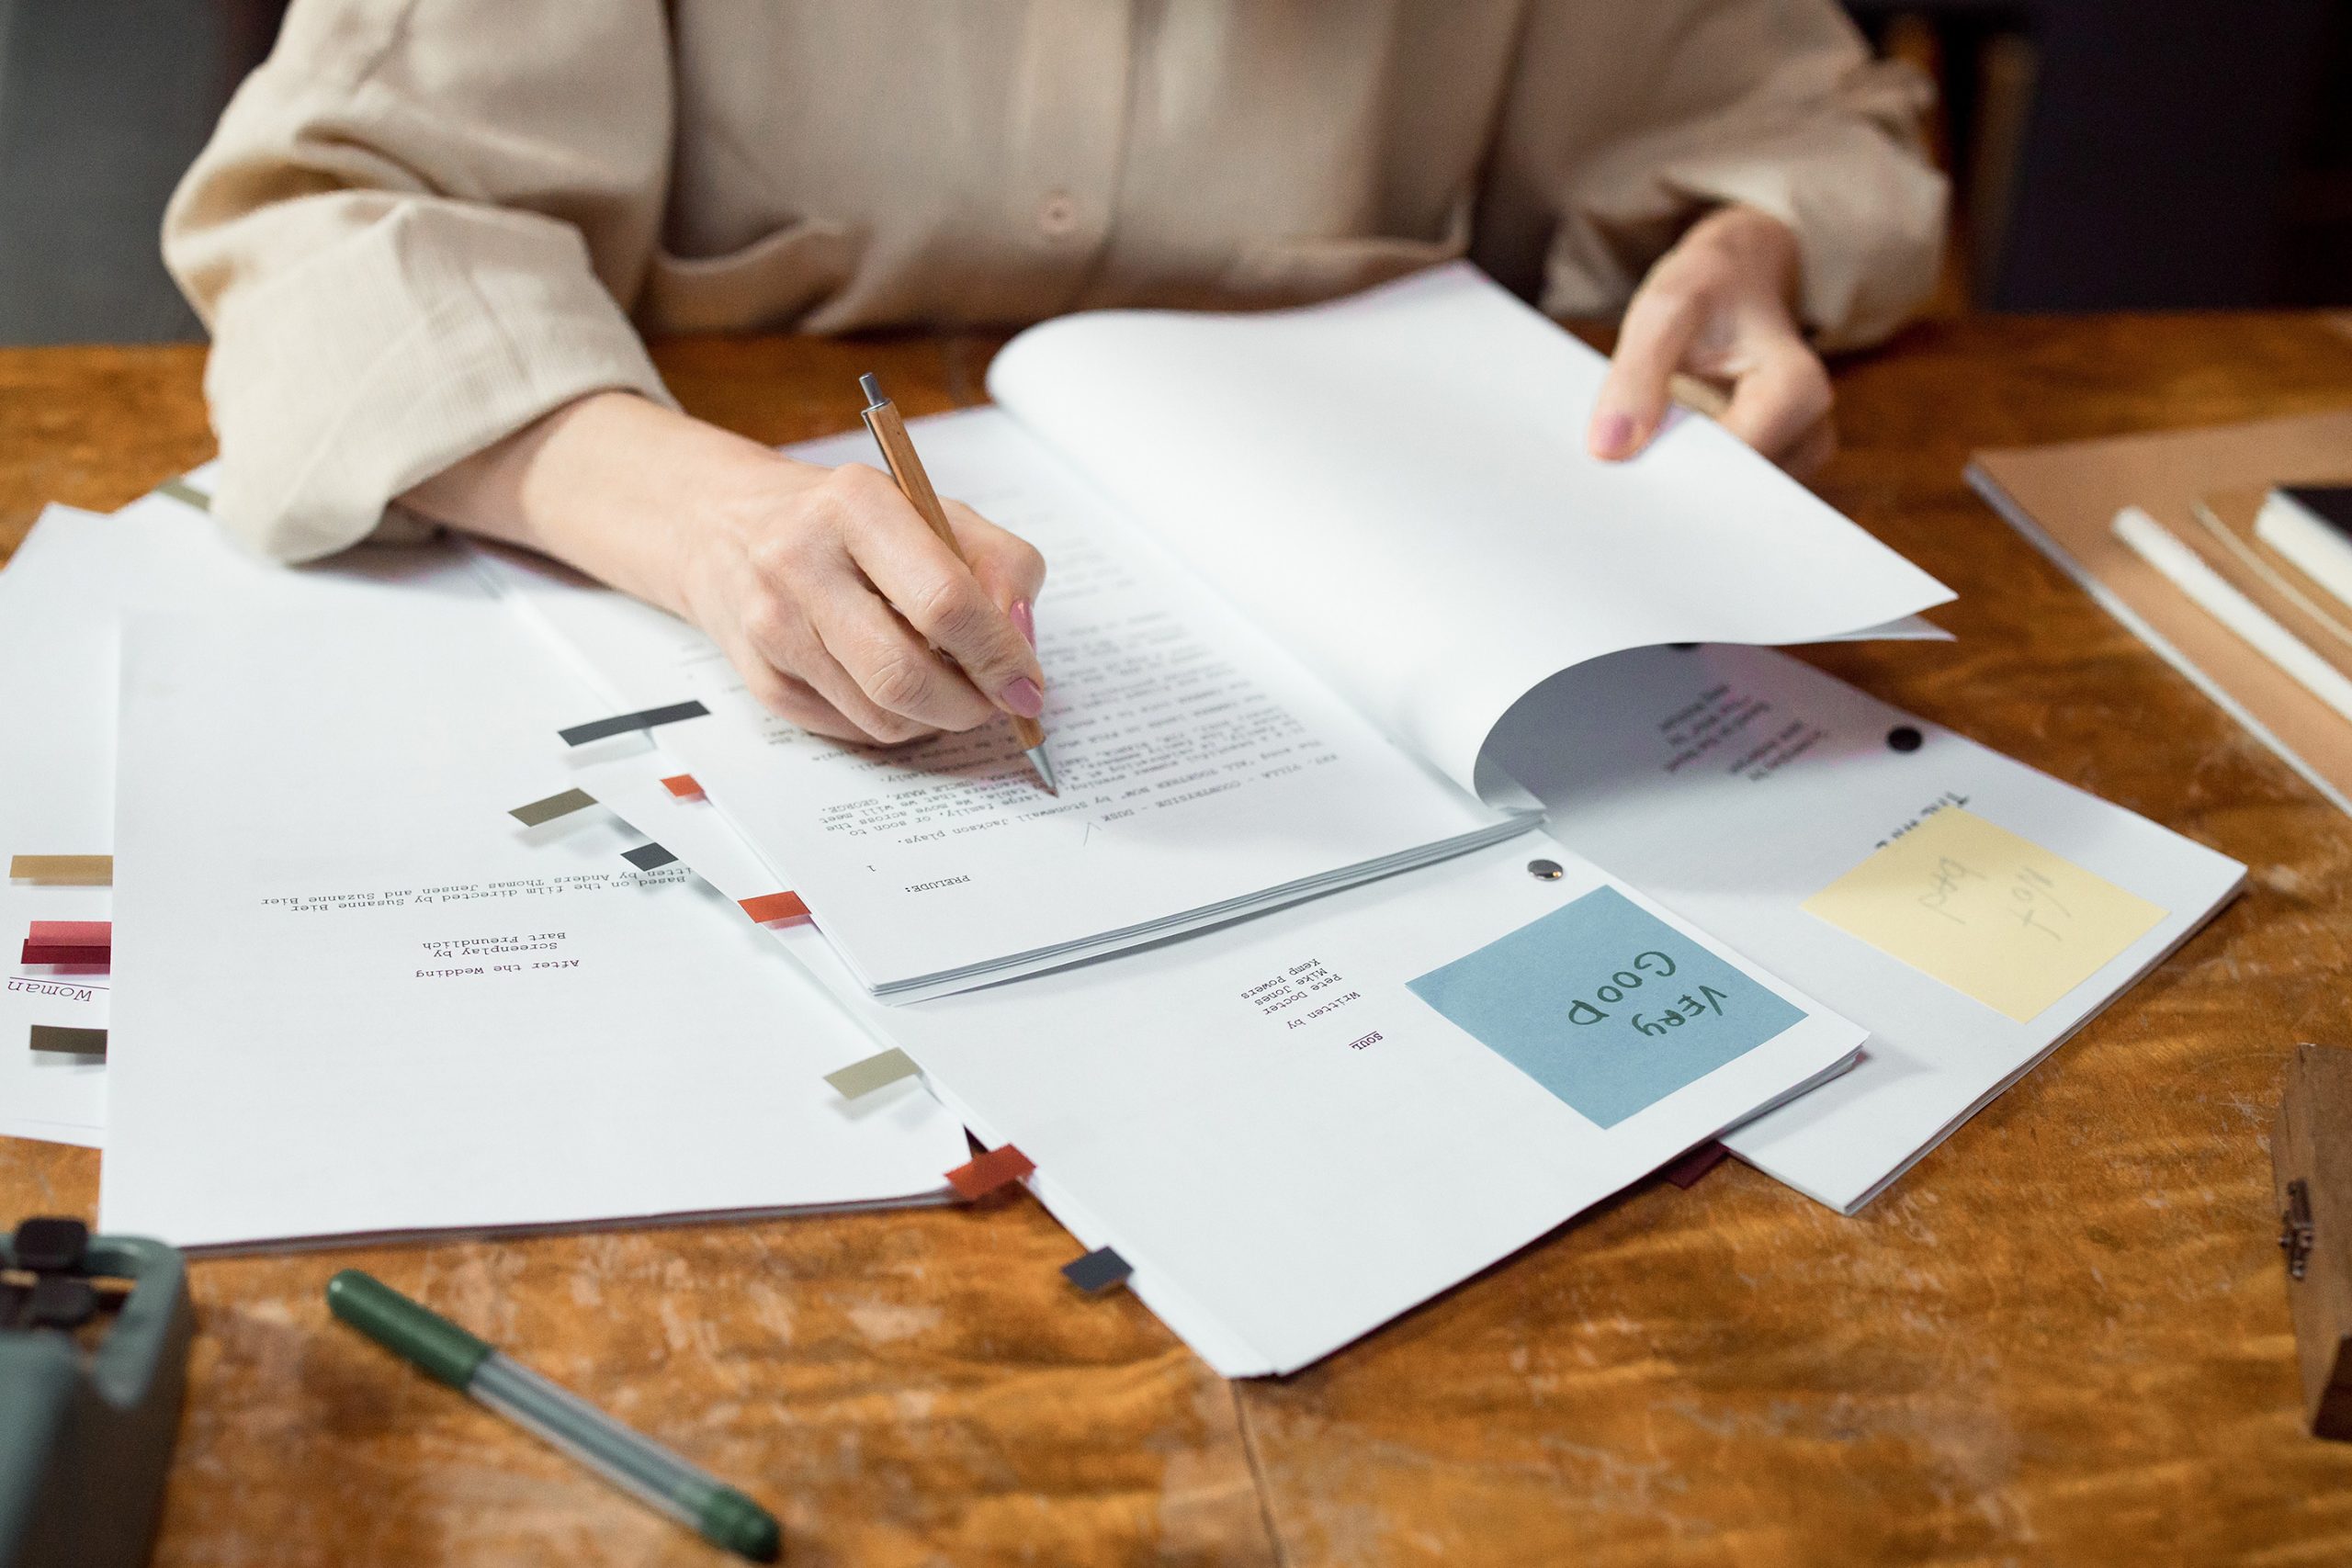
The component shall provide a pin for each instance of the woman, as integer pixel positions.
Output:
(427, 233)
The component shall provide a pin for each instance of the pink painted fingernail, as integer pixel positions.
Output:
(1024, 697)
(1025, 620)
(1612, 434)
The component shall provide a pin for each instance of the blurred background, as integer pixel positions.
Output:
(2106, 154)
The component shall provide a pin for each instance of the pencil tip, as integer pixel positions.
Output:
(1045, 766)
(873, 390)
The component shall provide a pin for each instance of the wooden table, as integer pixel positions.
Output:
(2063, 1338)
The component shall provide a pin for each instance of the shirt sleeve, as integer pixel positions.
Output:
(1680, 106)
(410, 236)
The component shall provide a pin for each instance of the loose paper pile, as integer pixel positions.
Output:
(1290, 1028)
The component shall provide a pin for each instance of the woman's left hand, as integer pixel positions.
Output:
(1721, 306)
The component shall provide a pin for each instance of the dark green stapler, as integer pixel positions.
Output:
(93, 1334)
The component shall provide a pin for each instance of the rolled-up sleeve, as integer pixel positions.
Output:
(1693, 104)
(412, 235)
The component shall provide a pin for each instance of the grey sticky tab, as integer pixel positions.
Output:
(621, 724)
(69, 1042)
(648, 857)
(861, 1079)
(1098, 1270)
(553, 807)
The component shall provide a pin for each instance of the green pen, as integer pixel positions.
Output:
(645, 1470)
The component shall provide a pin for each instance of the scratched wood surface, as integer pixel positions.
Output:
(2061, 1338)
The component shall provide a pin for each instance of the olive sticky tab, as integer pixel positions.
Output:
(66, 1042)
(62, 871)
(862, 1078)
(562, 804)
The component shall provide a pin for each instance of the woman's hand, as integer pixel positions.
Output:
(1721, 306)
(823, 586)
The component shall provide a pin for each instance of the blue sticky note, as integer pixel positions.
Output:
(1605, 1005)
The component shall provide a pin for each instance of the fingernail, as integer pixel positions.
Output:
(1612, 434)
(1025, 620)
(1024, 697)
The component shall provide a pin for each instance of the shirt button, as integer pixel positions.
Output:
(1058, 214)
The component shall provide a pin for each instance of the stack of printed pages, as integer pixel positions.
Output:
(1440, 851)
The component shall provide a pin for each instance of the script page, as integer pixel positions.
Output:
(1296, 1127)
(1396, 487)
(1202, 769)
(354, 994)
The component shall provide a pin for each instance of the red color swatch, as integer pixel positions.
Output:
(989, 1171)
(73, 934)
(683, 785)
(770, 907)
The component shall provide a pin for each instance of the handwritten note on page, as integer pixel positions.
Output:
(1988, 913)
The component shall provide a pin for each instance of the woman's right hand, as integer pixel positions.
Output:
(823, 586)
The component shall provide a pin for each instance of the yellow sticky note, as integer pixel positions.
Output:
(1994, 916)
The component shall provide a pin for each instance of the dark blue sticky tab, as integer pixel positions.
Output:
(1098, 1270)
(1606, 1005)
(648, 857)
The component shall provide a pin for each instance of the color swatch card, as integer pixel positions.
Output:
(1966, 909)
(1296, 1126)
(1992, 915)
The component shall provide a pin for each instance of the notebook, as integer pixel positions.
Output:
(1303, 561)
(2065, 499)
(2311, 526)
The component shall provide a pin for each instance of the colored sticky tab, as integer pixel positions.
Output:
(648, 857)
(1685, 1172)
(861, 1079)
(69, 1042)
(621, 724)
(64, 952)
(683, 785)
(553, 807)
(989, 1171)
(1605, 1005)
(1098, 1270)
(73, 934)
(64, 871)
(770, 907)
(1994, 916)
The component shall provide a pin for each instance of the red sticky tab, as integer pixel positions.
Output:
(66, 953)
(989, 1171)
(683, 785)
(74, 933)
(772, 907)
(1685, 1172)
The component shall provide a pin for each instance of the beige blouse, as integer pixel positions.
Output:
(424, 223)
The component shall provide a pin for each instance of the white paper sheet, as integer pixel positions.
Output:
(355, 997)
(1280, 1188)
(1395, 486)
(56, 798)
(1202, 771)
(1733, 784)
